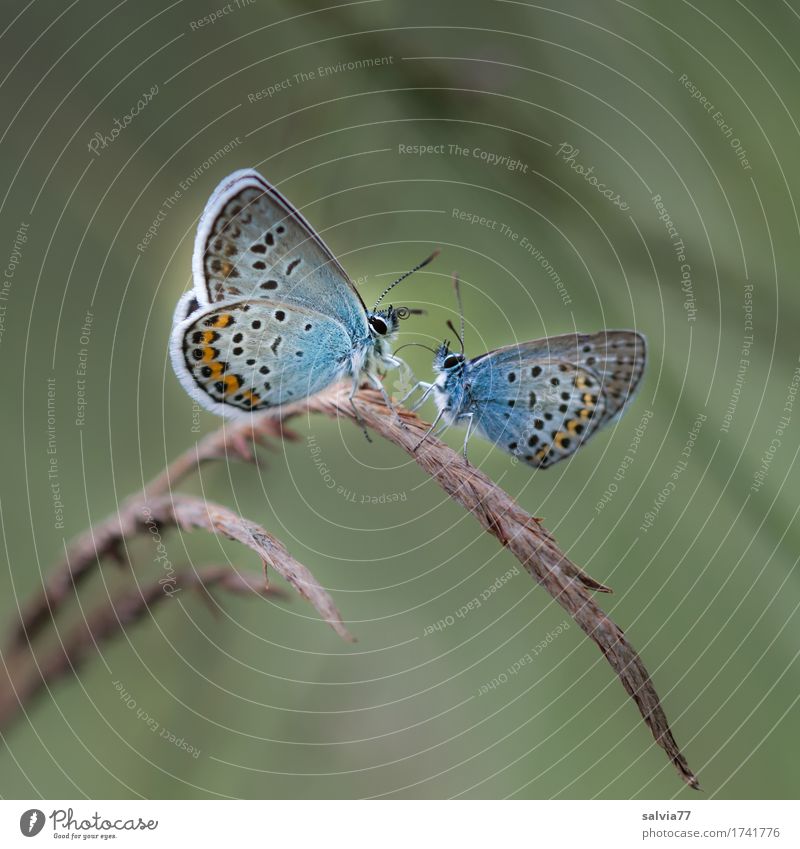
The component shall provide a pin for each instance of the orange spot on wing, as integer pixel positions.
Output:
(231, 383)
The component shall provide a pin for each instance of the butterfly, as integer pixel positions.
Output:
(540, 400)
(272, 316)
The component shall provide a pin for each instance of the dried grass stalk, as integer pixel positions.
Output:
(106, 538)
(27, 677)
(187, 513)
(527, 540)
(493, 508)
(190, 513)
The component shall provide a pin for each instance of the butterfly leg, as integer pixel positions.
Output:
(411, 391)
(421, 399)
(470, 423)
(378, 384)
(356, 414)
(430, 430)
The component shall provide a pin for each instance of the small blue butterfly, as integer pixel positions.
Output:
(541, 400)
(272, 316)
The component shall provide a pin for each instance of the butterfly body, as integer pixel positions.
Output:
(451, 391)
(540, 400)
(272, 316)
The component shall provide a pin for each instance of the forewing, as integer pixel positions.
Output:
(254, 355)
(542, 400)
(253, 243)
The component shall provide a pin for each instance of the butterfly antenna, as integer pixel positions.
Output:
(405, 312)
(455, 333)
(459, 336)
(416, 345)
(460, 308)
(407, 274)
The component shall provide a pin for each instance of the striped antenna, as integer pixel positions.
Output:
(407, 274)
(460, 312)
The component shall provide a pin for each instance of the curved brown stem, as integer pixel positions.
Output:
(105, 539)
(492, 507)
(23, 677)
(528, 541)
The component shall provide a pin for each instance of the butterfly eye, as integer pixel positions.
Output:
(452, 361)
(379, 325)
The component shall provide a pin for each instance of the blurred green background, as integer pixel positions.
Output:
(695, 104)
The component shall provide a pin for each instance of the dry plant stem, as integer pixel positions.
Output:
(187, 513)
(195, 513)
(25, 681)
(494, 509)
(525, 537)
(105, 539)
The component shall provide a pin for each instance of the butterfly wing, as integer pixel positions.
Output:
(542, 400)
(253, 243)
(254, 355)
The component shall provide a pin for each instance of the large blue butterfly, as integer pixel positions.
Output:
(272, 316)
